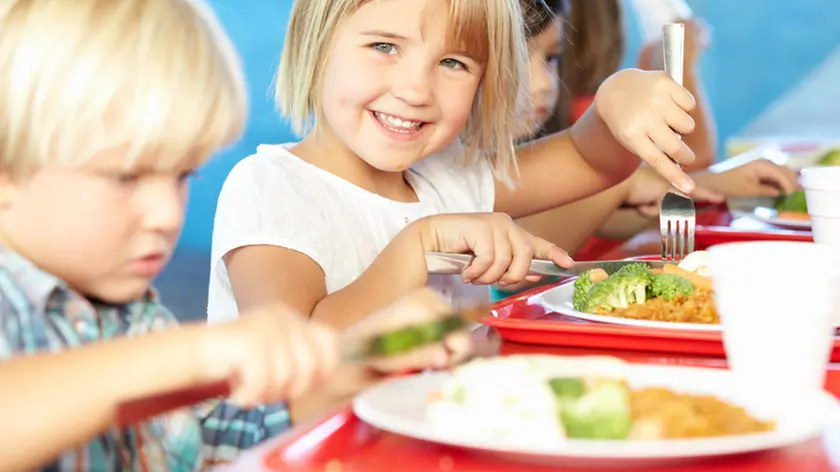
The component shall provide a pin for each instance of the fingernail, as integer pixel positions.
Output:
(502, 283)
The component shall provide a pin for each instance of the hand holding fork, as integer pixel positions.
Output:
(676, 211)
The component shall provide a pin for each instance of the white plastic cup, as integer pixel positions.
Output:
(779, 303)
(822, 195)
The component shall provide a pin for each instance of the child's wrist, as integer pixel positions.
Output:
(212, 346)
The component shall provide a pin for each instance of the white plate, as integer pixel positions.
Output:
(559, 300)
(761, 209)
(770, 217)
(399, 406)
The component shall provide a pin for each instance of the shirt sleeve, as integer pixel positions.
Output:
(267, 201)
(228, 430)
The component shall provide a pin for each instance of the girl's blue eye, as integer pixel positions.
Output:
(384, 48)
(453, 64)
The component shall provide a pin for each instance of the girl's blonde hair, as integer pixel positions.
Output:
(493, 31)
(156, 77)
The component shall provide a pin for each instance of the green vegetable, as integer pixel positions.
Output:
(582, 286)
(830, 158)
(636, 268)
(793, 202)
(601, 413)
(406, 339)
(621, 289)
(668, 286)
(567, 388)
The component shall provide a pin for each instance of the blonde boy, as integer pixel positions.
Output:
(106, 108)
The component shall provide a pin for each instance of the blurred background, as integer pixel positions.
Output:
(771, 73)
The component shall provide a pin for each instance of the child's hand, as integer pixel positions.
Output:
(349, 379)
(757, 178)
(647, 112)
(420, 306)
(271, 354)
(646, 189)
(503, 250)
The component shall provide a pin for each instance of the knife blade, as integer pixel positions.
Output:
(443, 263)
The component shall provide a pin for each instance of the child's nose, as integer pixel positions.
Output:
(414, 89)
(163, 209)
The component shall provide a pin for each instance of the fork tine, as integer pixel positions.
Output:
(678, 240)
(672, 236)
(691, 236)
(663, 235)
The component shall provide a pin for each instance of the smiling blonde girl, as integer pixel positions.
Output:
(408, 111)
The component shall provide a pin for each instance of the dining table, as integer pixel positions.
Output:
(340, 442)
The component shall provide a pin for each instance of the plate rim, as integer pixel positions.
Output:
(778, 222)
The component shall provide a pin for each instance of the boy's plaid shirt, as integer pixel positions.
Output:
(39, 313)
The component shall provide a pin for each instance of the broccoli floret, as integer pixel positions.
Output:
(601, 413)
(582, 286)
(619, 290)
(668, 286)
(793, 202)
(830, 158)
(636, 268)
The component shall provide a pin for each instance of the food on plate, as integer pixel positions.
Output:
(676, 293)
(505, 398)
(830, 158)
(793, 206)
(522, 400)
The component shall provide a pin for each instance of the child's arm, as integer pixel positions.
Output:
(63, 400)
(261, 274)
(54, 402)
(586, 214)
(635, 113)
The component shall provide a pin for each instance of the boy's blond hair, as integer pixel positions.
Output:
(493, 31)
(156, 77)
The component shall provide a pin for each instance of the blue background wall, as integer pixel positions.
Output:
(761, 48)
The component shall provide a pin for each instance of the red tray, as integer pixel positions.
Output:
(523, 319)
(340, 442)
(717, 226)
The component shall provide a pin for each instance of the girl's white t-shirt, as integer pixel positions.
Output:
(275, 198)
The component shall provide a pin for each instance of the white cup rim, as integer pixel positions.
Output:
(821, 178)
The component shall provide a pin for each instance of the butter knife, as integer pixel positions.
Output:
(443, 263)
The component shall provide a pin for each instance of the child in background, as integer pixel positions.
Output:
(591, 50)
(550, 53)
(409, 110)
(107, 107)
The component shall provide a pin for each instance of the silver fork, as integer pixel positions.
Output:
(676, 211)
